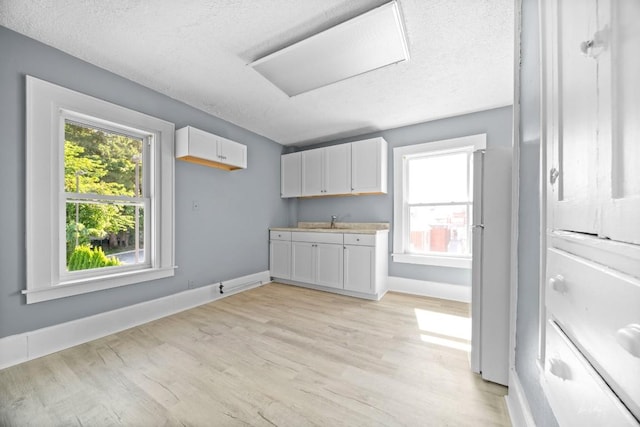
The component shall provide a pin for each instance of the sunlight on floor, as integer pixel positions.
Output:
(444, 329)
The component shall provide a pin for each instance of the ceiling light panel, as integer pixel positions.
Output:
(367, 42)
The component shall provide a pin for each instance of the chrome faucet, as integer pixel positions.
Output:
(333, 221)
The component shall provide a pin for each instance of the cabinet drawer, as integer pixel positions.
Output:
(360, 239)
(576, 393)
(303, 236)
(599, 309)
(279, 235)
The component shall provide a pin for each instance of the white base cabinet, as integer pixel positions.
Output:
(280, 254)
(359, 268)
(347, 263)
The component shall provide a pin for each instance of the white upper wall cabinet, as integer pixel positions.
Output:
(290, 173)
(354, 168)
(312, 172)
(369, 166)
(197, 146)
(337, 169)
(326, 171)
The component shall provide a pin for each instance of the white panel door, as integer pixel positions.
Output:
(232, 153)
(619, 120)
(572, 201)
(359, 268)
(367, 166)
(312, 169)
(280, 259)
(303, 262)
(337, 169)
(329, 265)
(290, 178)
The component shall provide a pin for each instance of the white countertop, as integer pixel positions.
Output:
(340, 227)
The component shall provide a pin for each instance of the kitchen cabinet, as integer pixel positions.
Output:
(591, 137)
(291, 175)
(326, 171)
(349, 263)
(358, 268)
(592, 105)
(354, 168)
(280, 254)
(329, 265)
(369, 166)
(317, 259)
(303, 265)
(200, 147)
(312, 172)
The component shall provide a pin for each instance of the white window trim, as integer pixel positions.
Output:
(46, 104)
(400, 254)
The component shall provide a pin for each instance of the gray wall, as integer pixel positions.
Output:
(495, 123)
(529, 219)
(226, 238)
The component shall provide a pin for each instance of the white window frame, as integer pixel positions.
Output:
(400, 206)
(48, 105)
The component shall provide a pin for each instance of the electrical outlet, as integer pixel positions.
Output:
(191, 284)
(195, 205)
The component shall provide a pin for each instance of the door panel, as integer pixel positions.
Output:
(619, 68)
(358, 268)
(303, 262)
(330, 263)
(312, 172)
(337, 169)
(280, 259)
(575, 120)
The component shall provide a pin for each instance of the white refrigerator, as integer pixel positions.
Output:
(490, 292)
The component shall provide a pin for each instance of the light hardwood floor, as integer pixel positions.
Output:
(276, 355)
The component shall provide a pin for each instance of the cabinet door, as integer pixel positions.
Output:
(303, 262)
(573, 88)
(337, 169)
(359, 268)
(232, 153)
(619, 121)
(312, 165)
(369, 166)
(290, 179)
(329, 265)
(280, 259)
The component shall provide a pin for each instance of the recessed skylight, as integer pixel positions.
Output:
(365, 43)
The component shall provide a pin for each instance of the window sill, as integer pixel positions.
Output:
(440, 261)
(96, 284)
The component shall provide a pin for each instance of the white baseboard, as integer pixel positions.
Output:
(517, 403)
(20, 348)
(430, 289)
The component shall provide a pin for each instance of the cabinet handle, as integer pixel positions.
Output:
(560, 369)
(629, 339)
(553, 175)
(558, 284)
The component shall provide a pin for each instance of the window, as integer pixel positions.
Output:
(433, 202)
(99, 194)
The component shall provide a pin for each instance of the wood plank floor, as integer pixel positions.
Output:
(276, 355)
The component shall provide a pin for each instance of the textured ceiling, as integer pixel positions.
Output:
(197, 51)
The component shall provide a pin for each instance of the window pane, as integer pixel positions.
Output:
(99, 162)
(103, 234)
(441, 229)
(438, 178)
